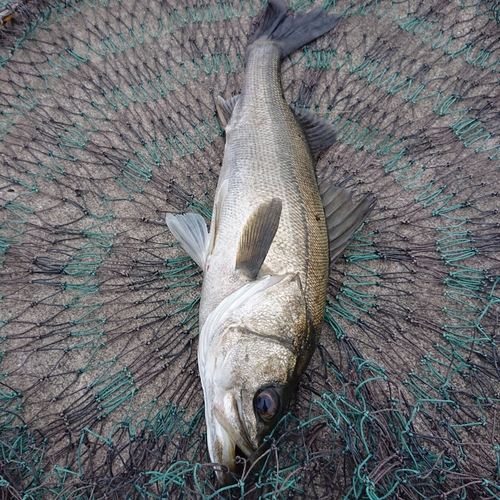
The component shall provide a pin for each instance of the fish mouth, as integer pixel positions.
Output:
(231, 439)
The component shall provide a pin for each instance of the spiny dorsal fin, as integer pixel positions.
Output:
(343, 217)
(257, 237)
(319, 132)
(225, 109)
(191, 232)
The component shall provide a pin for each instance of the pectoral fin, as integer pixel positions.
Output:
(257, 237)
(319, 132)
(343, 217)
(225, 109)
(191, 232)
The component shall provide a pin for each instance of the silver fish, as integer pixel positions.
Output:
(267, 257)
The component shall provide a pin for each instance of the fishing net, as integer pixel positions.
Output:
(108, 123)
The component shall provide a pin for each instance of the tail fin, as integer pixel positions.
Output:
(292, 32)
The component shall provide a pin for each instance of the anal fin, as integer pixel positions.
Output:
(257, 238)
(343, 217)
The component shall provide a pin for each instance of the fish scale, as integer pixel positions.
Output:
(267, 156)
(266, 259)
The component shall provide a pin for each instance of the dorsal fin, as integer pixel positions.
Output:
(343, 217)
(257, 237)
(319, 132)
(225, 109)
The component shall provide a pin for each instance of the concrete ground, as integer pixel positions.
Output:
(108, 123)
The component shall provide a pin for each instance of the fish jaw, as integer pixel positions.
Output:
(223, 408)
(255, 340)
(225, 433)
(221, 447)
(226, 430)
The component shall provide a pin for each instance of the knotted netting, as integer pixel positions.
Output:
(108, 123)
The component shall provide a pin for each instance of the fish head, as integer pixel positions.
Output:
(250, 366)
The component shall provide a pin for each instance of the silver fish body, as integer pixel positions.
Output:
(267, 156)
(269, 340)
(266, 260)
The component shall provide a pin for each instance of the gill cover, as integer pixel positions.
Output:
(250, 347)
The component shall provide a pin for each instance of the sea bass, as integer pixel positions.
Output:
(273, 235)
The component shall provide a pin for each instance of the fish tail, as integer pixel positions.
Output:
(292, 32)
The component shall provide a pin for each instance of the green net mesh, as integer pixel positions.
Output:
(107, 123)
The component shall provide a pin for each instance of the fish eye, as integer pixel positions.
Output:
(267, 403)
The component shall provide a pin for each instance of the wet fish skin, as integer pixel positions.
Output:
(266, 156)
(266, 260)
(248, 351)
